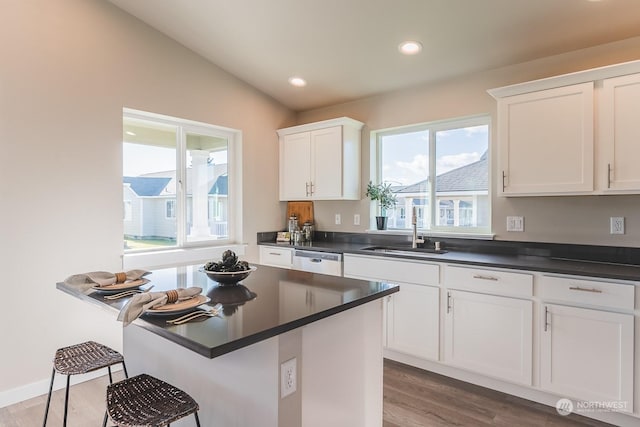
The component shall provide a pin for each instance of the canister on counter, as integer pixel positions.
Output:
(307, 231)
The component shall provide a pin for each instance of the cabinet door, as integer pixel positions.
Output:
(295, 166)
(490, 335)
(587, 354)
(326, 163)
(620, 133)
(546, 142)
(412, 321)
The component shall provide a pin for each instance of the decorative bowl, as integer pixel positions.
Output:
(228, 277)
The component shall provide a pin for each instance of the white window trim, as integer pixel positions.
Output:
(202, 250)
(481, 233)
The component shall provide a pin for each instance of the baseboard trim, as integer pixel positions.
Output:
(38, 388)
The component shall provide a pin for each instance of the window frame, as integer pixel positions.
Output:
(431, 215)
(234, 173)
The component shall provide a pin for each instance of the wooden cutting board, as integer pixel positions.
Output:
(302, 210)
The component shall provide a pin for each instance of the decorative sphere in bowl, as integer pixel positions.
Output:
(228, 277)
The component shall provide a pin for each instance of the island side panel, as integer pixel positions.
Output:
(342, 369)
(238, 389)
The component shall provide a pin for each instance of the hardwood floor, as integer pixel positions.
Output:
(86, 406)
(412, 398)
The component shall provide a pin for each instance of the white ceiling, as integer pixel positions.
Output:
(347, 49)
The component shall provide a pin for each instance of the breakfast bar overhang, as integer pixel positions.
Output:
(231, 363)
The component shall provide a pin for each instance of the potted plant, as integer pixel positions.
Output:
(386, 199)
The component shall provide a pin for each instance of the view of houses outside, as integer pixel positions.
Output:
(157, 209)
(457, 178)
(150, 207)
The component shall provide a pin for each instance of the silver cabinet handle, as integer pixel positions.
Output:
(306, 186)
(608, 175)
(316, 260)
(448, 301)
(504, 176)
(311, 188)
(275, 253)
(546, 318)
(481, 277)
(578, 288)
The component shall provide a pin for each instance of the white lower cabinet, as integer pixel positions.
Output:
(412, 315)
(413, 321)
(587, 354)
(483, 318)
(490, 335)
(276, 257)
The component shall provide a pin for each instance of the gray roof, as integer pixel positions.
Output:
(221, 186)
(471, 177)
(146, 186)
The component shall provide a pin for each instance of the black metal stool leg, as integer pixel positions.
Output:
(46, 411)
(104, 422)
(66, 402)
(197, 419)
(110, 377)
(124, 366)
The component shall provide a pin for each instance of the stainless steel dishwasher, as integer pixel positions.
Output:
(318, 262)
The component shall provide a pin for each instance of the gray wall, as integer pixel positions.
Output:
(580, 220)
(68, 69)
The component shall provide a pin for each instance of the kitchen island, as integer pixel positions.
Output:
(231, 364)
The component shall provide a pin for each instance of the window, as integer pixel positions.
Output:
(178, 179)
(439, 171)
(170, 211)
(127, 210)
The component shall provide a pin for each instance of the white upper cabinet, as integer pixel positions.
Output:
(320, 161)
(571, 134)
(620, 134)
(546, 142)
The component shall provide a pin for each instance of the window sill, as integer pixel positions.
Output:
(176, 256)
(432, 234)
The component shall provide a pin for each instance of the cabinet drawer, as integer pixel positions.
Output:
(395, 271)
(489, 281)
(278, 257)
(585, 291)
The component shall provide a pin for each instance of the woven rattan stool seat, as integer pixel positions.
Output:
(85, 357)
(79, 359)
(147, 401)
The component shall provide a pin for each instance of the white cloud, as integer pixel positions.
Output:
(413, 171)
(454, 161)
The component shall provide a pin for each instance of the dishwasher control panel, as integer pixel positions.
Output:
(318, 262)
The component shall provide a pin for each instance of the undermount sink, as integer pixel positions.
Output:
(426, 252)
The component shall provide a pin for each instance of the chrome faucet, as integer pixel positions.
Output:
(414, 224)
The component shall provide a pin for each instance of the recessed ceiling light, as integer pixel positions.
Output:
(130, 133)
(410, 47)
(297, 81)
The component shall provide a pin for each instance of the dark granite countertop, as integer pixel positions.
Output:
(579, 260)
(271, 301)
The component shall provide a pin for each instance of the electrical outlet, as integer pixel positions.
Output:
(338, 219)
(356, 219)
(288, 377)
(515, 223)
(616, 225)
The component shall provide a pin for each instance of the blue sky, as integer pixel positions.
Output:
(406, 156)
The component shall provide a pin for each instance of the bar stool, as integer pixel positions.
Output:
(144, 400)
(80, 359)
